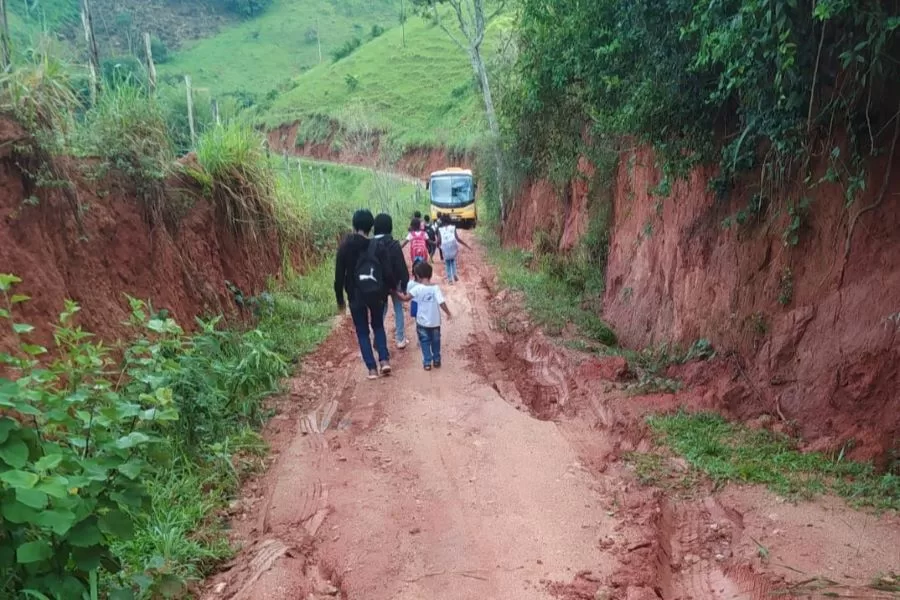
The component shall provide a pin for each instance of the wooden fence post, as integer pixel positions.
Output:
(151, 66)
(93, 54)
(190, 110)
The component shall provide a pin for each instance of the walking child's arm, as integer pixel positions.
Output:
(446, 310)
(456, 233)
(403, 296)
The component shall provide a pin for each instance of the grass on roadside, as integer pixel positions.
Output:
(552, 302)
(303, 307)
(729, 452)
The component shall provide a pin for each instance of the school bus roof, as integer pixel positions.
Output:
(452, 171)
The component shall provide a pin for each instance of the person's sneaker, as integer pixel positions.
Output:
(373, 374)
(385, 367)
(427, 367)
(402, 344)
(437, 365)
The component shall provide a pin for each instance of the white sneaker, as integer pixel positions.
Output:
(402, 344)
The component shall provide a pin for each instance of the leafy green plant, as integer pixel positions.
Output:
(786, 287)
(76, 437)
(39, 93)
(314, 129)
(798, 214)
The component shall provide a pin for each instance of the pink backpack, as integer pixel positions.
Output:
(418, 246)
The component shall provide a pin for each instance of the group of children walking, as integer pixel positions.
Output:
(373, 273)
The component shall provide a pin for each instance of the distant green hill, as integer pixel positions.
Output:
(253, 57)
(423, 94)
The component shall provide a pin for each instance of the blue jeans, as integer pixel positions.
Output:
(399, 317)
(430, 342)
(364, 317)
(450, 266)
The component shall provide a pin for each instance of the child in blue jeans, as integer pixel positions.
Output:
(429, 304)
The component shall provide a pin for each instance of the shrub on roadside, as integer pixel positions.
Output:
(101, 454)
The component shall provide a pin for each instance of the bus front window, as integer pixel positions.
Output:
(451, 191)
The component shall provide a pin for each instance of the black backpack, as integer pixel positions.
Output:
(431, 233)
(369, 274)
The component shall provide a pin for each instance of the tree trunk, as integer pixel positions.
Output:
(491, 115)
(5, 55)
(151, 66)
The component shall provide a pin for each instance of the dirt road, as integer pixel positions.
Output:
(496, 477)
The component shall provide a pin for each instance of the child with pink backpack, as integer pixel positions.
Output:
(418, 241)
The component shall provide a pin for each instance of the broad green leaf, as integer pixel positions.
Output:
(88, 559)
(59, 520)
(33, 349)
(135, 438)
(6, 425)
(19, 479)
(50, 461)
(32, 552)
(132, 468)
(22, 328)
(118, 524)
(54, 485)
(121, 594)
(4, 314)
(18, 513)
(14, 452)
(85, 534)
(17, 298)
(34, 595)
(7, 280)
(33, 498)
(170, 586)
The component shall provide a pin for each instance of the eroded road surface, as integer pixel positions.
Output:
(494, 477)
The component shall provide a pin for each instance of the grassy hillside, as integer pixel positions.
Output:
(253, 57)
(423, 94)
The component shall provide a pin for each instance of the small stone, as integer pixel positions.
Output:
(720, 557)
(220, 587)
(329, 365)
(415, 531)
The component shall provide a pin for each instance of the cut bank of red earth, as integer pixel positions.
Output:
(443, 484)
(813, 329)
(366, 151)
(95, 241)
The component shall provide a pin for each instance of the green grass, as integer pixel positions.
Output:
(552, 302)
(423, 94)
(729, 452)
(253, 57)
(303, 307)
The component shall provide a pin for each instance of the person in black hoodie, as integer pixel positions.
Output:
(384, 227)
(363, 270)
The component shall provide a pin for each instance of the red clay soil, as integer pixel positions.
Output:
(813, 330)
(415, 162)
(99, 243)
(499, 477)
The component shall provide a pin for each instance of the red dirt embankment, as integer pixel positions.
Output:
(99, 243)
(813, 329)
(367, 152)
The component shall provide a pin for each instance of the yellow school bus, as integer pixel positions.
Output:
(453, 197)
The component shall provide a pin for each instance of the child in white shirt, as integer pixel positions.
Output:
(430, 302)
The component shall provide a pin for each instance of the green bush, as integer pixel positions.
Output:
(314, 129)
(39, 93)
(102, 452)
(124, 70)
(159, 49)
(346, 50)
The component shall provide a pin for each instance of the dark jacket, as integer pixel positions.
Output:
(345, 266)
(398, 262)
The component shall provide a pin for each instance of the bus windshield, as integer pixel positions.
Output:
(452, 191)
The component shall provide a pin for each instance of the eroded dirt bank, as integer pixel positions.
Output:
(499, 477)
(365, 150)
(96, 241)
(813, 328)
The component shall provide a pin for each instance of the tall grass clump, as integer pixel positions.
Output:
(238, 177)
(128, 131)
(39, 93)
